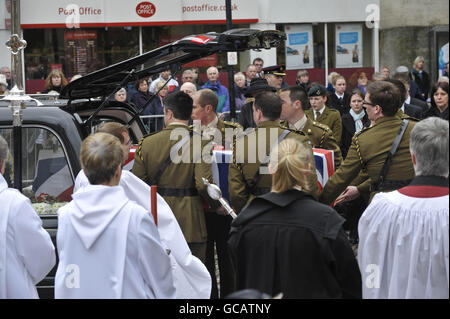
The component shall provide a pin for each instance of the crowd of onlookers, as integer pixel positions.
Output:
(421, 94)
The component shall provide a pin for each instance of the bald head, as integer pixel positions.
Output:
(188, 88)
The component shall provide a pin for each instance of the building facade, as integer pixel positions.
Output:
(347, 36)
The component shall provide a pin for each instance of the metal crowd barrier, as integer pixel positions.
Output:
(158, 127)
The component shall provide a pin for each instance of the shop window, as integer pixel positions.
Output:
(78, 51)
(46, 176)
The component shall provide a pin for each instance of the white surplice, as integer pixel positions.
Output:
(109, 247)
(27, 253)
(403, 247)
(191, 277)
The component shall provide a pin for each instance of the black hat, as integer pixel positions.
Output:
(275, 70)
(258, 84)
(317, 90)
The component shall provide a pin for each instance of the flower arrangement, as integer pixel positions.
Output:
(47, 208)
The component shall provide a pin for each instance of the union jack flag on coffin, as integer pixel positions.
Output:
(128, 165)
(324, 167)
(53, 176)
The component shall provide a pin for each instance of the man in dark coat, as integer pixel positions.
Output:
(289, 243)
(257, 85)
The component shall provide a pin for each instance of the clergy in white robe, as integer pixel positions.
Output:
(109, 246)
(27, 253)
(403, 249)
(191, 277)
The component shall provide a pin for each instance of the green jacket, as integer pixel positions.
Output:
(331, 118)
(182, 177)
(321, 136)
(246, 163)
(368, 153)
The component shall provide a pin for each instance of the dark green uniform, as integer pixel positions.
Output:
(368, 152)
(321, 136)
(218, 226)
(331, 118)
(242, 171)
(180, 184)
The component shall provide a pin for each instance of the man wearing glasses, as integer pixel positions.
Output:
(370, 148)
(259, 63)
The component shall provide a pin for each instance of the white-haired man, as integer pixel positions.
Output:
(27, 253)
(403, 246)
(220, 90)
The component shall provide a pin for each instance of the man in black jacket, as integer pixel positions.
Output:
(257, 85)
(408, 109)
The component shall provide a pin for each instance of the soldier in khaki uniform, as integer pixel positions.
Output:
(294, 99)
(178, 174)
(247, 177)
(321, 113)
(370, 146)
(217, 220)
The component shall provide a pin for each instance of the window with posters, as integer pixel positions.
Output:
(299, 46)
(349, 45)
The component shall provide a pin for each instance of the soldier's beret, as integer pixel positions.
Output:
(317, 90)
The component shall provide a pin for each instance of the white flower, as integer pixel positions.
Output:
(47, 209)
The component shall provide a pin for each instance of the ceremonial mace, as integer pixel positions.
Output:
(215, 193)
(153, 208)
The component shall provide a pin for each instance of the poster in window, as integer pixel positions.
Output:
(348, 45)
(299, 47)
(80, 52)
(443, 60)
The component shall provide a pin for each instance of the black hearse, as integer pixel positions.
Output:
(53, 128)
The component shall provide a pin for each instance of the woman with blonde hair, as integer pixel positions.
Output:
(287, 242)
(421, 77)
(55, 81)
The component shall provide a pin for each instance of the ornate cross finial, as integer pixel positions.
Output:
(15, 44)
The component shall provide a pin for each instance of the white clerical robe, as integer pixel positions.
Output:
(403, 246)
(27, 253)
(191, 277)
(109, 247)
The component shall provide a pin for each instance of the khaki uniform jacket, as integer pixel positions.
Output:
(331, 118)
(152, 152)
(368, 152)
(246, 163)
(321, 136)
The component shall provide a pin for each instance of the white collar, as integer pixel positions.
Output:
(339, 96)
(321, 110)
(408, 100)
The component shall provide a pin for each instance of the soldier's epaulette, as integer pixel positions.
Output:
(332, 110)
(147, 135)
(232, 124)
(293, 130)
(320, 125)
(284, 124)
(364, 129)
(407, 117)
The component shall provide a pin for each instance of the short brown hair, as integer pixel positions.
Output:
(386, 95)
(115, 129)
(100, 155)
(207, 96)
